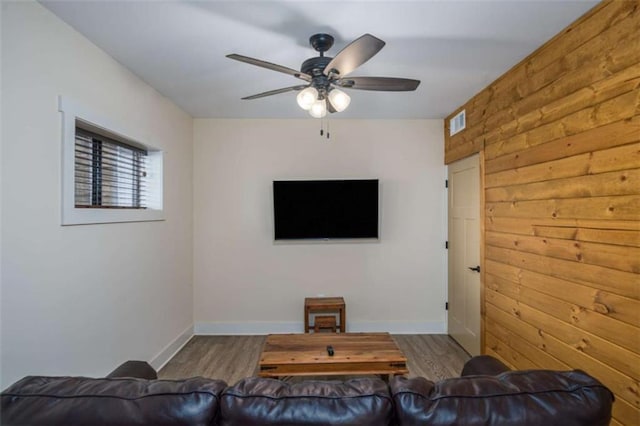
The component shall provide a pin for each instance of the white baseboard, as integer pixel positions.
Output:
(246, 328)
(169, 351)
(398, 327)
(254, 327)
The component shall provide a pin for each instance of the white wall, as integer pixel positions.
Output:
(1, 149)
(78, 300)
(244, 283)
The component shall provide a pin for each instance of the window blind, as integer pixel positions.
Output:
(108, 173)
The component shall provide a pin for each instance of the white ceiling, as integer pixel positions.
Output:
(456, 48)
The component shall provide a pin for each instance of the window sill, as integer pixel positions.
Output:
(82, 216)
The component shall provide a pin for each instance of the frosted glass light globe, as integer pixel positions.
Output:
(339, 100)
(307, 97)
(318, 109)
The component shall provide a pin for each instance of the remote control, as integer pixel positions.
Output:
(330, 350)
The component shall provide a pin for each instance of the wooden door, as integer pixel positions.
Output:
(464, 253)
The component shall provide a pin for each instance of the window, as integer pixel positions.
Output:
(107, 176)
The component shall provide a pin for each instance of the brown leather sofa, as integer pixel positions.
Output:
(487, 393)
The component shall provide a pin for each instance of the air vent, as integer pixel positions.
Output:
(457, 123)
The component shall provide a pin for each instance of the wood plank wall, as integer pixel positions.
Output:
(561, 139)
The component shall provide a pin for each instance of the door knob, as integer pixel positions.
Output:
(477, 268)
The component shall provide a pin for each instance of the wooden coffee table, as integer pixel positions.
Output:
(354, 353)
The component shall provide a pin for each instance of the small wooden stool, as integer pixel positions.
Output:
(317, 305)
(324, 322)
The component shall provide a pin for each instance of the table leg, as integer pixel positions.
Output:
(306, 319)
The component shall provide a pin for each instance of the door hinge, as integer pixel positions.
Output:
(446, 306)
(446, 245)
(446, 183)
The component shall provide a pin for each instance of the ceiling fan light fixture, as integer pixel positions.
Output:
(307, 97)
(339, 99)
(321, 74)
(318, 109)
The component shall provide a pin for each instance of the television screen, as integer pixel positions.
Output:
(325, 209)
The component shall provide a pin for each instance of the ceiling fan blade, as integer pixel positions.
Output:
(275, 92)
(354, 54)
(270, 66)
(390, 84)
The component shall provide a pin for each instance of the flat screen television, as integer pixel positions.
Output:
(325, 209)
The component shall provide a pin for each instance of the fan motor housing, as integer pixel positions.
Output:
(315, 66)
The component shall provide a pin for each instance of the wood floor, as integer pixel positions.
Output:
(231, 358)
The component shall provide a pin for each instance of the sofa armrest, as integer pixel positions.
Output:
(483, 365)
(135, 369)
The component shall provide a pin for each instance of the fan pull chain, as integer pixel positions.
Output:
(322, 127)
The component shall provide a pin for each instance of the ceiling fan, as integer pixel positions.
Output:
(324, 75)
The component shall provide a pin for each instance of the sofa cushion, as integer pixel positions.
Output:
(536, 397)
(84, 401)
(261, 401)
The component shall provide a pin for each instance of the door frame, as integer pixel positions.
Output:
(483, 269)
(482, 218)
